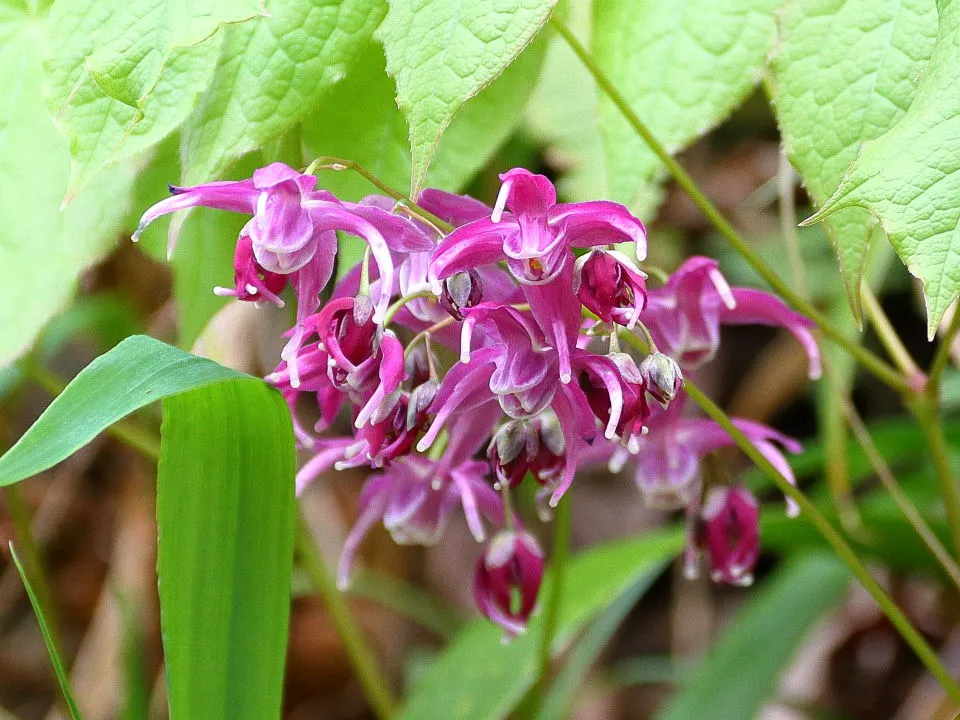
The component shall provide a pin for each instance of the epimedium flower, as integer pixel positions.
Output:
(668, 456)
(533, 233)
(685, 315)
(611, 286)
(507, 580)
(521, 446)
(662, 377)
(727, 529)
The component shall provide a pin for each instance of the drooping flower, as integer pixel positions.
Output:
(521, 446)
(533, 233)
(684, 316)
(507, 580)
(611, 286)
(668, 457)
(662, 377)
(728, 531)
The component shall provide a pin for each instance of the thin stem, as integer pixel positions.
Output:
(889, 482)
(942, 357)
(924, 652)
(398, 305)
(551, 608)
(871, 362)
(326, 162)
(926, 411)
(887, 335)
(364, 662)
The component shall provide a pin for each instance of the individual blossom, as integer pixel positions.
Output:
(416, 496)
(685, 315)
(507, 580)
(611, 286)
(668, 457)
(533, 233)
(521, 446)
(728, 531)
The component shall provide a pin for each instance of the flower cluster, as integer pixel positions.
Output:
(476, 347)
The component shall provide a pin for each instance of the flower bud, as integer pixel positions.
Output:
(520, 446)
(611, 286)
(419, 404)
(728, 531)
(662, 376)
(507, 580)
(461, 291)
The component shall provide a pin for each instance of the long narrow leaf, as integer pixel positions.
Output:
(58, 668)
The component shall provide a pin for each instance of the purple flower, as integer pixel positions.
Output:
(728, 530)
(521, 446)
(535, 234)
(662, 377)
(507, 580)
(611, 286)
(684, 316)
(668, 457)
(415, 497)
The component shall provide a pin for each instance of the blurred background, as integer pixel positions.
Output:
(92, 516)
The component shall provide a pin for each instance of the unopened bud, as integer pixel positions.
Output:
(420, 400)
(662, 376)
(461, 291)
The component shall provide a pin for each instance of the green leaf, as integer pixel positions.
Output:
(742, 669)
(270, 74)
(42, 250)
(125, 73)
(909, 177)
(225, 512)
(48, 639)
(846, 71)
(379, 143)
(443, 52)
(481, 678)
(682, 68)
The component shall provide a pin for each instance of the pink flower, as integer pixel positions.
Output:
(668, 457)
(521, 446)
(610, 286)
(684, 316)
(728, 530)
(507, 580)
(535, 234)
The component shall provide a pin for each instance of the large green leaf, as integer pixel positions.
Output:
(741, 670)
(270, 74)
(478, 677)
(443, 52)
(845, 71)
(380, 144)
(225, 511)
(125, 73)
(909, 177)
(42, 250)
(682, 67)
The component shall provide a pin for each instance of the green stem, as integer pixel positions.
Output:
(398, 305)
(942, 357)
(551, 607)
(368, 672)
(925, 409)
(870, 361)
(326, 162)
(840, 546)
(888, 480)
(887, 335)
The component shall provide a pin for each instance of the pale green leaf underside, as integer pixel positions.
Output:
(846, 71)
(683, 67)
(125, 73)
(380, 142)
(478, 677)
(42, 250)
(270, 74)
(443, 52)
(909, 178)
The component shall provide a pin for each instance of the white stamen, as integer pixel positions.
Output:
(501, 201)
(720, 283)
(251, 289)
(224, 292)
